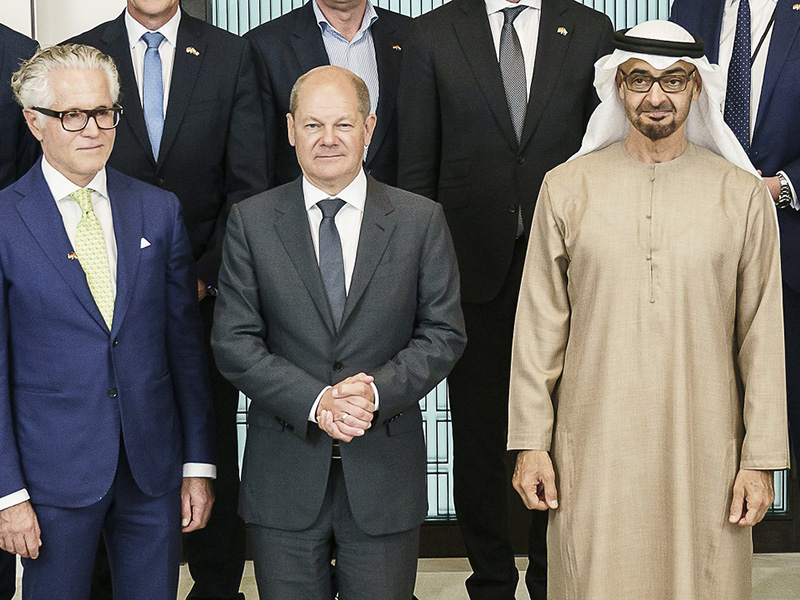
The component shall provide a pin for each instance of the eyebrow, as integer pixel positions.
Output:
(676, 70)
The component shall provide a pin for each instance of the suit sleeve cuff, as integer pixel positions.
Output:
(14, 499)
(376, 394)
(312, 415)
(795, 199)
(200, 470)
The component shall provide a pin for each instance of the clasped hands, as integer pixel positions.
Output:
(535, 481)
(345, 410)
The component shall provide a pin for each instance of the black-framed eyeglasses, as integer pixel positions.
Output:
(671, 84)
(77, 120)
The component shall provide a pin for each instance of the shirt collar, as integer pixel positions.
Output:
(61, 187)
(730, 2)
(136, 30)
(355, 194)
(370, 16)
(493, 6)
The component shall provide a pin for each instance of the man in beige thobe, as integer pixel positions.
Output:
(648, 349)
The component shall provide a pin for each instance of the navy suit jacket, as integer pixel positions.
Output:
(212, 150)
(291, 45)
(69, 387)
(18, 149)
(776, 138)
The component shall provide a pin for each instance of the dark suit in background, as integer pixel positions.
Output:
(292, 45)
(18, 151)
(211, 156)
(275, 339)
(775, 146)
(458, 146)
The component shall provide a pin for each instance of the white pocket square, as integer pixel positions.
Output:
(144, 243)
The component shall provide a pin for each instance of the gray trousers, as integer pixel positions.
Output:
(296, 565)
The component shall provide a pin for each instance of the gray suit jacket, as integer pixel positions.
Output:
(275, 340)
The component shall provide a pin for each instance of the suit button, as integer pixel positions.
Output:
(337, 366)
(160, 181)
(512, 208)
(112, 392)
(520, 159)
(115, 343)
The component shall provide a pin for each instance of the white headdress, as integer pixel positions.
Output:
(661, 44)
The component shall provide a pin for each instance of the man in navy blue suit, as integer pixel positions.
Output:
(769, 42)
(105, 409)
(17, 153)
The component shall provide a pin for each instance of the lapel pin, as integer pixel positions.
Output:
(796, 7)
(396, 47)
(562, 31)
(192, 50)
(72, 256)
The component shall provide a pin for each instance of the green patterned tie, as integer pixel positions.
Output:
(90, 246)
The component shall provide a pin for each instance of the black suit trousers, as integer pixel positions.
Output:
(486, 504)
(8, 575)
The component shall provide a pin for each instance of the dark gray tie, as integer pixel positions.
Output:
(331, 263)
(512, 67)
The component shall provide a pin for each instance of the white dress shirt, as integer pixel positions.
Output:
(760, 15)
(61, 188)
(166, 50)
(526, 25)
(348, 224)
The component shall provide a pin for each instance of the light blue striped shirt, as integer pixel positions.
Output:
(357, 55)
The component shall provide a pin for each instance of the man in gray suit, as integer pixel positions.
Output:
(338, 309)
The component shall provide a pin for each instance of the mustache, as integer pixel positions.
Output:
(646, 106)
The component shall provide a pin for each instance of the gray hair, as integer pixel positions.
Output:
(31, 84)
(362, 92)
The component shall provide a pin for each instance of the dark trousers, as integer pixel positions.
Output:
(141, 533)
(295, 565)
(8, 575)
(215, 554)
(791, 329)
(485, 502)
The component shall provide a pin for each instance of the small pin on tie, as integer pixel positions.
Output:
(562, 31)
(396, 47)
(191, 50)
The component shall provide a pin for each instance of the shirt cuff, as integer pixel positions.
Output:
(312, 415)
(376, 394)
(200, 470)
(14, 499)
(795, 200)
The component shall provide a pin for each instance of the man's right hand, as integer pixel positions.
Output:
(535, 480)
(346, 410)
(19, 530)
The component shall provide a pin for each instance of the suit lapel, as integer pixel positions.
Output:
(41, 216)
(126, 210)
(116, 39)
(292, 229)
(787, 28)
(551, 49)
(307, 40)
(711, 25)
(184, 77)
(475, 37)
(388, 60)
(377, 227)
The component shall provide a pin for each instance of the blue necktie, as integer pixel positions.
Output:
(331, 262)
(737, 96)
(153, 91)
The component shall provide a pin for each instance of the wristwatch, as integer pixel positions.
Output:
(785, 197)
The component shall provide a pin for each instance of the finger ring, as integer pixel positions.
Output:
(344, 418)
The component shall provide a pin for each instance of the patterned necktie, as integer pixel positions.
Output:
(90, 247)
(512, 67)
(737, 95)
(331, 263)
(153, 91)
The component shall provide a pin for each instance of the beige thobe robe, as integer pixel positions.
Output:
(648, 351)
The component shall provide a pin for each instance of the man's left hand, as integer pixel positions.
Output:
(753, 494)
(197, 497)
(773, 185)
